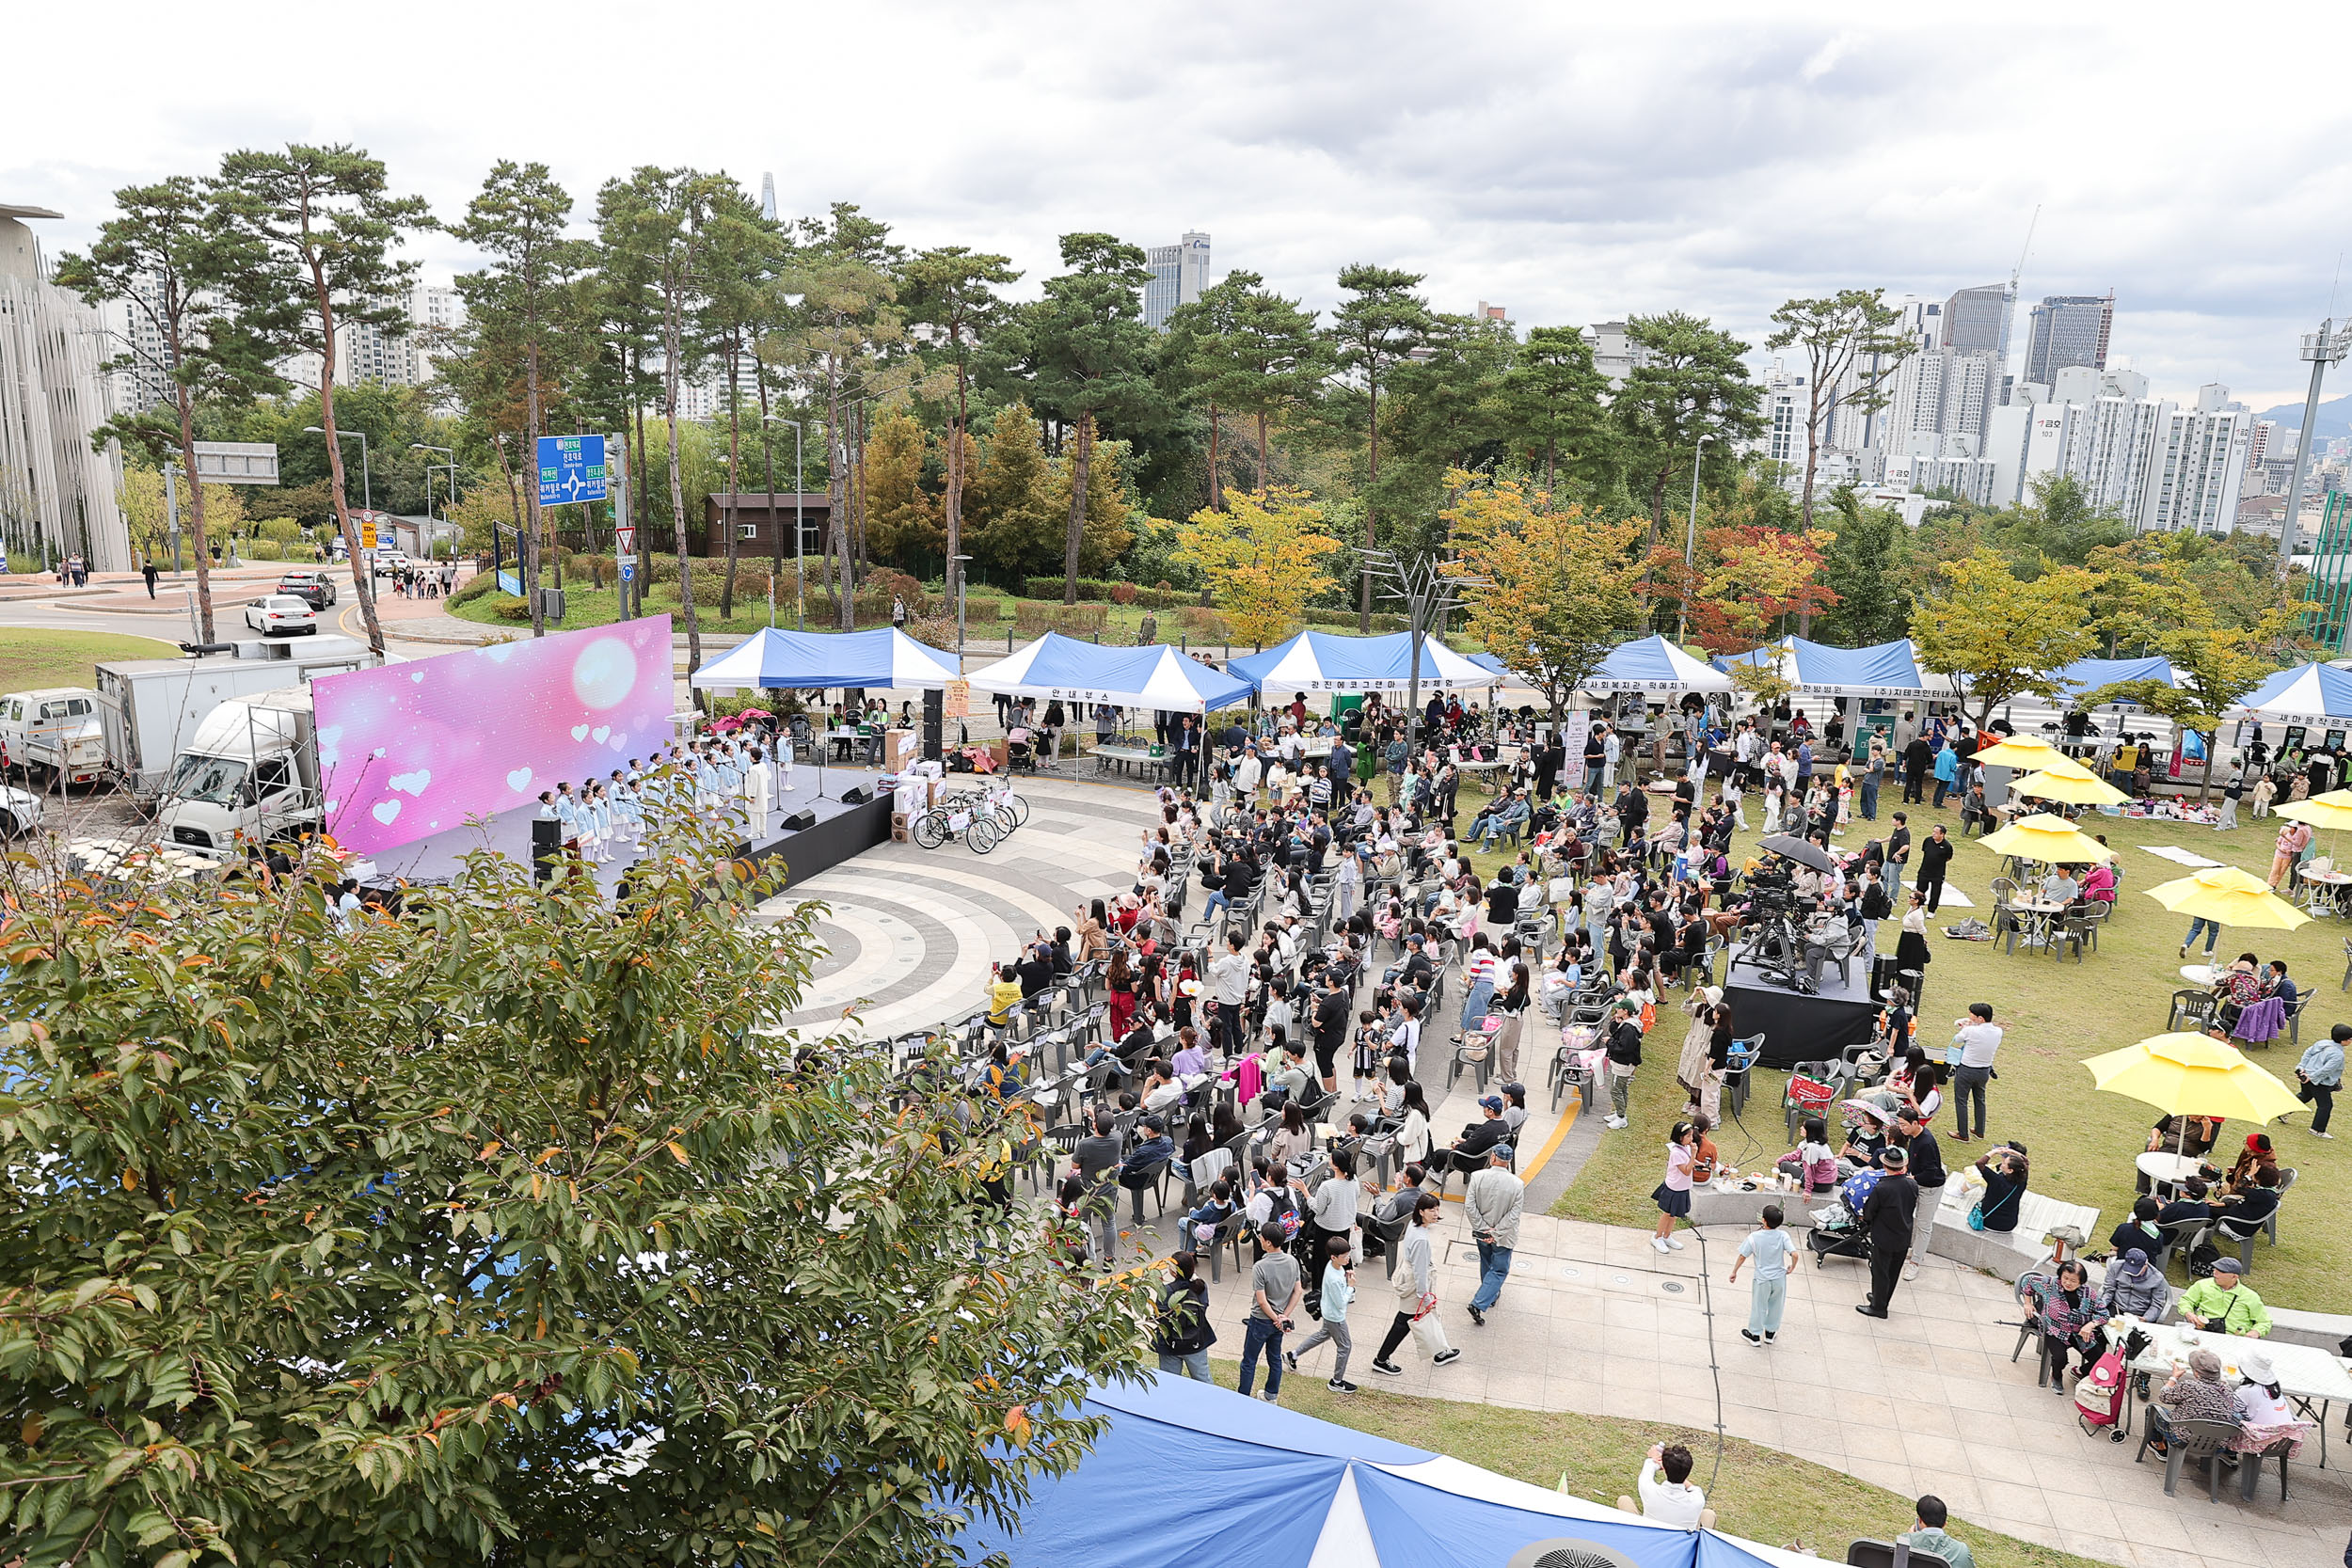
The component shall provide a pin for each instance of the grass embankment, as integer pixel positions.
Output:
(1759, 1493)
(32, 658)
(2057, 1012)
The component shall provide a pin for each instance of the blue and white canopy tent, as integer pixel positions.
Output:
(2307, 694)
(1324, 662)
(1655, 664)
(1157, 677)
(2085, 674)
(1187, 1473)
(1886, 670)
(801, 661)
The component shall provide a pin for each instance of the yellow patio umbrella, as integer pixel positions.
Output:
(2069, 781)
(2027, 754)
(2052, 840)
(2332, 810)
(2193, 1075)
(2229, 897)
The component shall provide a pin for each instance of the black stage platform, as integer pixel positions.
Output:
(844, 832)
(1797, 1027)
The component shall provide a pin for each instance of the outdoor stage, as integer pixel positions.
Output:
(840, 832)
(1797, 1027)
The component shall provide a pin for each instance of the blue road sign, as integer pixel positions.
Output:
(571, 468)
(628, 570)
(510, 582)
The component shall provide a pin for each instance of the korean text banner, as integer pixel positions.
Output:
(406, 751)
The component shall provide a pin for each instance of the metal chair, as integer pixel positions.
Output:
(2199, 1440)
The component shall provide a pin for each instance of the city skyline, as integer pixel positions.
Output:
(1717, 165)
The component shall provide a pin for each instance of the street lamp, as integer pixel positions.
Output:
(799, 537)
(1691, 536)
(367, 491)
(429, 467)
(956, 564)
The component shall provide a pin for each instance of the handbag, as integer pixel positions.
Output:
(1976, 1214)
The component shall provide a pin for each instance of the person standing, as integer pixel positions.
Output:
(1183, 1334)
(1927, 1174)
(1976, 1042)
(2319, 1074)
(1338, 1289)
(1625, 1054)
(1935, 858)
(1273, 1295)
(1897, 853)
(2285, 853)
(1493, 1200)
(2232, 793)
(147, 570)
(1873, 775)
(1770, 1245)
(1886, 1220)
(1416, 1286)
(1672, 1194)
(1918, 755)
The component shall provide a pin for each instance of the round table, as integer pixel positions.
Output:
(2202, 975)
(2043, 910)
(2168, 1170)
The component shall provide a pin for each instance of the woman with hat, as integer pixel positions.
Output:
(2193, 1393)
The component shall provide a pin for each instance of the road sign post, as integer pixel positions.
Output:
(571, 468)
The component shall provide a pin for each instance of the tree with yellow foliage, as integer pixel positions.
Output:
(141, 497)
(2000, 638)
(1561, 585)
(1263, 559)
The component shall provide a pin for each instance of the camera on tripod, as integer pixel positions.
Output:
(1773, 888)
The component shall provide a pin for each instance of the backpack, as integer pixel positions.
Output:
(2202, 1260)
(1183, 1324)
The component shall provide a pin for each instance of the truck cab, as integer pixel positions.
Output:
(249, 774)
(57, 729)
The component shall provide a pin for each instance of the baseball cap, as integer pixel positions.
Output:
(1503, 1153)
(1491, 1102)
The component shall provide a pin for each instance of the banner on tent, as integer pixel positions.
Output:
(1573, 734)
(959, 700)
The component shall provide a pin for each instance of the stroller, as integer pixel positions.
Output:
(1838, 1227)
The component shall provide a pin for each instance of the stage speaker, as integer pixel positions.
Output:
(856, 796)
(934, 724)
(799, 819)
(547, 847)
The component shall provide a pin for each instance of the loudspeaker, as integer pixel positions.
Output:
(857, 795)
(799, 819)
(547, 847)
(934, 724)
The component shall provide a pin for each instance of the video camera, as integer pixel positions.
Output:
(1773, 888)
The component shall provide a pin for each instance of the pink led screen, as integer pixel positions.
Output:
(411, 750)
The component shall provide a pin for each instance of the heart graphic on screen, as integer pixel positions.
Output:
(412, 783)
(417, 677)
(601, 731)
(499, 652)
(580, 732)
(518, 779)
(384, 811)
(618, 741)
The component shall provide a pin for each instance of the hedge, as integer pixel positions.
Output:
(1106, 590)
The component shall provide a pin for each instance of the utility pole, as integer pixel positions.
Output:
(1691, 539)
(2320, 349)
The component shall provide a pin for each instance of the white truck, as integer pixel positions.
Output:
(248, 774)
(150, 709)
(54, 734)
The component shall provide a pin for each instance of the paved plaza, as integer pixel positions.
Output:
(1594, 1320)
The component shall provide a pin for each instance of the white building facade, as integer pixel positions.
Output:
(58, 497)
(1179, 273)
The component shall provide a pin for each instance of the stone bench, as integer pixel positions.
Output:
(2005, 1254)
(2321, 1330)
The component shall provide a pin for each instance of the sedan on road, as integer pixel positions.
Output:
(280, 614)
(313, 588)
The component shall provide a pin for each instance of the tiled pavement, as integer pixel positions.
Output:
(1594, 1319)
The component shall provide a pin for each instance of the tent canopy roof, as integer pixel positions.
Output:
(2306, 692)
(1654, 664)
(1886, 670)
(1291, 1491)
(1324, 662)
(2084, 675)
(777, 659)
(1157, 677)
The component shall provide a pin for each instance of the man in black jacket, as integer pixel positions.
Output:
(1916, 757)
(1936, 856)
(1926, 1157)
(1094, 1157)
(1897, 855)
(1886, 1220)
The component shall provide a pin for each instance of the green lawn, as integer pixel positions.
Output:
(31, 659)
(2082, 1142)
(1760, 1493)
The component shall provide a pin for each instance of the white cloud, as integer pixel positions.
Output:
(1573, 166)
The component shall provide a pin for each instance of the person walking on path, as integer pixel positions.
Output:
(1338, 1289)
(1672, 1194)
(1417, 1294)
(1886, 1220)
(1935, 858)
(1493, 1200)
(147, 570)
(1273, 1295)
(1927, 1174)
(2320, 1073)
(1978, 1042)
(1770, 1245)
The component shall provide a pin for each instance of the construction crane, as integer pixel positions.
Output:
(2009, 304)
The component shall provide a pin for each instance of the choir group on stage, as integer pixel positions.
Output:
(716, 775)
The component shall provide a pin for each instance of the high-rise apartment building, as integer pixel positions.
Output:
(1614, 355)
(2198, 469)
(1179, 273)
(56, 494)
(1975, 321)
(371, 355)
(2069, 330)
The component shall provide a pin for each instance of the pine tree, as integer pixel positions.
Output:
(1010, 509)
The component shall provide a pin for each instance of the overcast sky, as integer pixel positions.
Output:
(1717, 161)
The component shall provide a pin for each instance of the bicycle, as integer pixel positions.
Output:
(956, 819)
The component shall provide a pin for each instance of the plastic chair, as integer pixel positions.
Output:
(2179, 1235)
(2270, 1221)
(2250, 1467)
(2199, 1440)
(2038, 1287)
(1738, 1068)
(2191, 1007)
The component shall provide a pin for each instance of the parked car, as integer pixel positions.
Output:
(390, 563)
(312, 587)
(280, 613)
